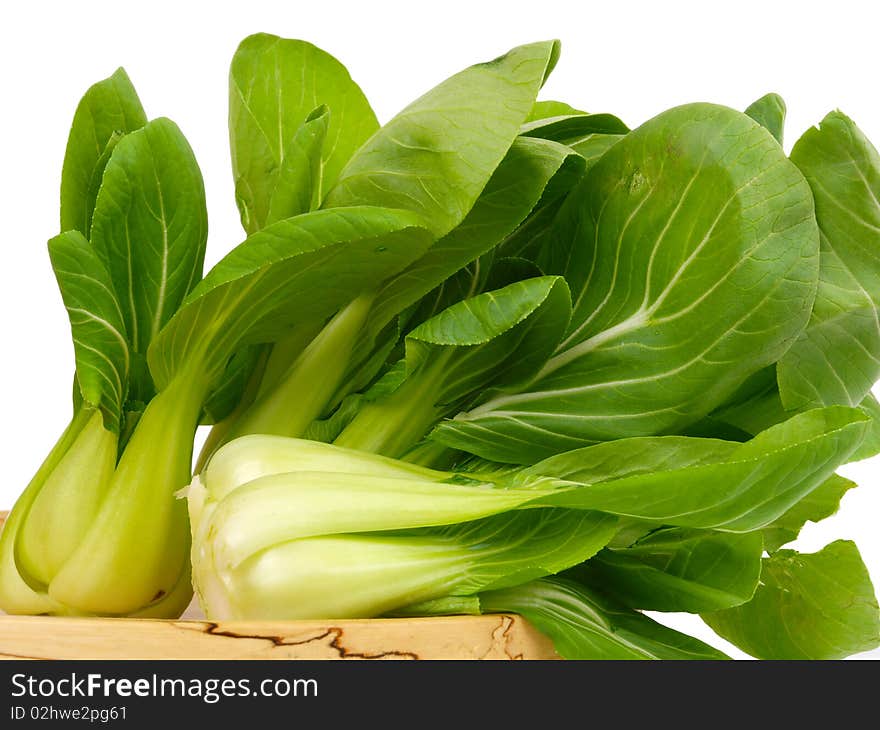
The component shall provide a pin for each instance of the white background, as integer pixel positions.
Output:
(633, 59)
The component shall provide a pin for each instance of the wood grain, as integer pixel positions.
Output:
(498, 636)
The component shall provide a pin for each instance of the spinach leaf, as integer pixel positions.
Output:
(808, 606)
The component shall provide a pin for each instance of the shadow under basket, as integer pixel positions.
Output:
(497, 636)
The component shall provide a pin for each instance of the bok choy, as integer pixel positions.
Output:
(497, 354)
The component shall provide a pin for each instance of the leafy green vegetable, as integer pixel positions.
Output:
(100, 339)
(149, 230)
(278, 277)
(584, 624)
(264, 534)
(94, 504)
(495, 338)
(836, 359)
(275, 86)
(435, 159)
(107, 111)
(300, 182)
(822, 502)
(532, 361)
(721, 290)
(415, 161)
(808, 606)
(769, 112)
(511, 194)
(706, 483)
(672, 569)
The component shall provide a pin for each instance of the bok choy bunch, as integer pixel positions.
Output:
(497, 354)
(159, 348)
(96, 530)
(670, 333)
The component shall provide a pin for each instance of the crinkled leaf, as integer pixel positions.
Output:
(99, 339)
(675, 569)
(282, 276)
(274, 85)
(808, 606)
(436, 156)
(584, 624)
(705, 483)
(150, 229)
(769, 112)
(300, 180)
(108, 110)
(836, 360)
(692, 260)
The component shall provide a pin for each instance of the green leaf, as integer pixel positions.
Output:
(489, 341)
(769, 112)
(822, 502)
(279, 277)
(108, 110)
(300, 180)
(584, 624)
(593, 147)
(871, 443)
(692, 254)
(549, 108)
(674, 569)
(808, 606)
(150, 229)
(513, 191)
(236, 380)
(99, 337)
(509, 549)
(274, 85)
(572, 129)
(436, 156)
(499, 337)
(836, 360)
(705, 483)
